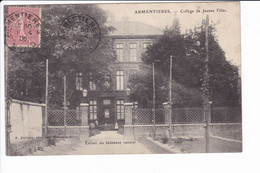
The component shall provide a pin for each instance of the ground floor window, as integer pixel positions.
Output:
(120, 109)
(92, 109)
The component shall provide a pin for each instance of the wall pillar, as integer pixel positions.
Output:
(128, 127)
(84, 128)
(128, 113)
(167, 107)
(167, 114)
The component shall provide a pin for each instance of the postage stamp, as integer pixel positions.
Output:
(79, 31)
(23, 27)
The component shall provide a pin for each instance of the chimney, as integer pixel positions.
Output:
(175, 22)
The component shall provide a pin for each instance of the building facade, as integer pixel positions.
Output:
(106, 107)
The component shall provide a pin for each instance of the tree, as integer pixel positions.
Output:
(27, 70)
(188, 52)
(141, 87)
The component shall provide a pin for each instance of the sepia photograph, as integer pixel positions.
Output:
(122, 78)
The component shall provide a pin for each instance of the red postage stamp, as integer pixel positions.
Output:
(23, 27)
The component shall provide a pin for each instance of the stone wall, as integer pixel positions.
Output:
(71, 131)
(26, 119)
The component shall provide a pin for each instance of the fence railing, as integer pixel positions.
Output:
(145, 116)
(187, 115)
(226, 115)
(64, 117)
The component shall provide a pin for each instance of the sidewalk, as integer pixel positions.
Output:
(216, 145)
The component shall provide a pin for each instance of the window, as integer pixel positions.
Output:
(106, 102)
(79, 81)
(107, 82)
(120, 109)
(145, 45)
(120, 80)
(133, 53)
(92, 109)
(119, 51)
(92, 85)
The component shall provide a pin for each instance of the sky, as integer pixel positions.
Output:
(225, 14)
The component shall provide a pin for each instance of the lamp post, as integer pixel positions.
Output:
(170, 100)
(65, 105)
(46, 99)
(153, 109)
(205, 86)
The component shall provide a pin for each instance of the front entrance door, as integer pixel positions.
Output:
(107, 116)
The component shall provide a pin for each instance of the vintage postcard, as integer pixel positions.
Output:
(122, 78)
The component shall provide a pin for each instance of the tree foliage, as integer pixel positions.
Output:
(27, 70)
(188, 51)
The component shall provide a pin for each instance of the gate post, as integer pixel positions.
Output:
(166, 107)
(128, 127)
(167, 116)
(84, 128)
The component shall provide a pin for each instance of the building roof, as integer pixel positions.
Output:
(131, 28)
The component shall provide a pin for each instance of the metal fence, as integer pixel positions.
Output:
(226, 115)
(187, 115)
(64, 117)
(145, 116)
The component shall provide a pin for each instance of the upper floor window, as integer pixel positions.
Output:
(107, 82)
(133, 52)
(119, 51)
(145, 45)
(92, 84)
(120, 80)
(79, 81)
